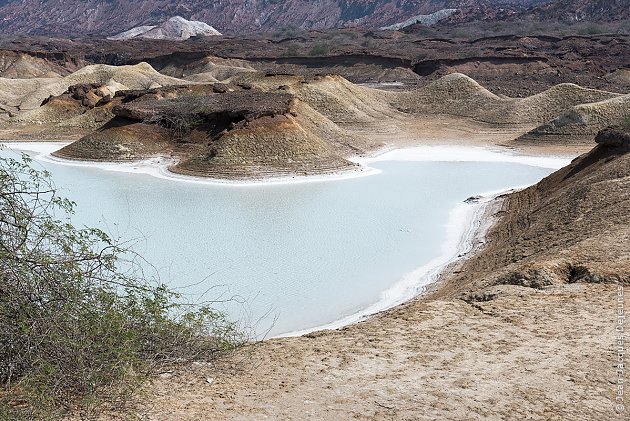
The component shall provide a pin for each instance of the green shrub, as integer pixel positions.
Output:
(79, 325)
(425, 31)
(291, 51)
(319, 50)
(287, 32)
(590, 30)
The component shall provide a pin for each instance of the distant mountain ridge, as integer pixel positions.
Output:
(109, 17)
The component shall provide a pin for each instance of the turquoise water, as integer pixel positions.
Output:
(294, 256)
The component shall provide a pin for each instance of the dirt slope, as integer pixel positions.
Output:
(19, 95)
(457, 94)
(582, 121)
(23, 66)
(571, 227)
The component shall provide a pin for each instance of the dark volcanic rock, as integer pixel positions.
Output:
(211, 114)
(244, 104)
(508, 64)
(613, 138)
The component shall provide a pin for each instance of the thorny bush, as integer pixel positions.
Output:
(79, 323)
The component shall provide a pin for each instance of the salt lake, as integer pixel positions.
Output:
(293, 256)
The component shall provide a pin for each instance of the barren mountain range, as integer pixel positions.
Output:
(108, 17)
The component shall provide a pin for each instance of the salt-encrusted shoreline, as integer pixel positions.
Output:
(158, 166)
(467, 226)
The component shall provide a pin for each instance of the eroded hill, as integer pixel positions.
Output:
(255, 124)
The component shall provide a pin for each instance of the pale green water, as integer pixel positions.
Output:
(308, 253)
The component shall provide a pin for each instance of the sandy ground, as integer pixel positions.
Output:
(529, 355)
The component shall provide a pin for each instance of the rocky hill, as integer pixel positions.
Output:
(109, 17)
(254, 124)
(565, 11)
(570, 11)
